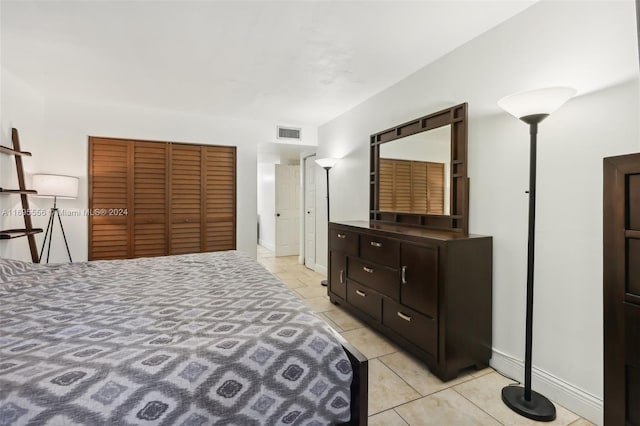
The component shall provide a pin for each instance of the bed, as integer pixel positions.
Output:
(198, 339)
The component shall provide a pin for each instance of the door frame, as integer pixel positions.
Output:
(303, 219)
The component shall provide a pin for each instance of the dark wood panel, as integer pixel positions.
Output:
(620, 283)
(419, 278)
(344, 241)
(338, 274)
(417, 328)
(379, 278)
(380, 250)
(365, 299)
(633, 267)
(633, 395)
(634, 202)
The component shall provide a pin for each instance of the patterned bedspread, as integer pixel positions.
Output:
(194, 340)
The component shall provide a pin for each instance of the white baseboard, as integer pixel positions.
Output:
(268, 246)
(320, 269)
(569, 396)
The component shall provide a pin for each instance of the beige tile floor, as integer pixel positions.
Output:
(402, 391)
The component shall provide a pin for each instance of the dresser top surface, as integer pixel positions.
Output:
(408, 230)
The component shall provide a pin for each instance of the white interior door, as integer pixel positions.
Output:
(310, 212)
(287, 210)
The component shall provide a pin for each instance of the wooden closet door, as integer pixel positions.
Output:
(186, 201)
(109, 192)
(220, 198)
(622, 290)
(150, 197)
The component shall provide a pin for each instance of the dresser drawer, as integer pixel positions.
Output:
(344, 241)
(379, 278)
(416, 328)
(379, 250)
(366, 300)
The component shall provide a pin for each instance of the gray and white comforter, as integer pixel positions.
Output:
(193, 340)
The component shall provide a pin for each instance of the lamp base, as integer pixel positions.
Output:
(539, 408)
(323, 283)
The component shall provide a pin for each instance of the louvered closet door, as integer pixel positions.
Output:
(109, 189)
(220, 198)
(150, 194)
(186, 200)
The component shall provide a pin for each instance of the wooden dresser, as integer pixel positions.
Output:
(621, 290)
(428, 291)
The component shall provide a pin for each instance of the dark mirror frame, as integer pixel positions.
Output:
(458, 219)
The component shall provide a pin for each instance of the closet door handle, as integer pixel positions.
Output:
(376, 244)
(342, 236)
(341, 276)
(404, 317)
(361, 293)
(404, 274)
(369, 270)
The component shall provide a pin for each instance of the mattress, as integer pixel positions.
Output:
(198, 339)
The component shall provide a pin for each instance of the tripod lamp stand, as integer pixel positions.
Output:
(54, 186)
(532, 107)
(326, 164)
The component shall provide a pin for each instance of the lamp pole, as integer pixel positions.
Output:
(532, 107)
(324, 283)
(327, 164)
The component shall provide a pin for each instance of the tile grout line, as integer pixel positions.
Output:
(480, 408)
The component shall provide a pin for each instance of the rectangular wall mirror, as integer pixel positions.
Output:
(419, 172)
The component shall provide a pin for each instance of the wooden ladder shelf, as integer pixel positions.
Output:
(29, 231)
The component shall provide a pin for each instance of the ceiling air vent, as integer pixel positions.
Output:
(290, 133)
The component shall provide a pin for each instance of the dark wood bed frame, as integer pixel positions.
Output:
(359, 384)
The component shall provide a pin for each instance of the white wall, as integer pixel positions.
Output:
(267, 204)
(21, 107)
(57, 132)
(587, 45)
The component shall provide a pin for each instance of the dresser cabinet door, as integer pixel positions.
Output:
(338, 274)
(419, 278)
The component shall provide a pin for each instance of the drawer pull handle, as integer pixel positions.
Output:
(361, 293)
(341, 276)
(404, 274)
(369, 270)
(376, 244)
(342, 236)
(404, 317)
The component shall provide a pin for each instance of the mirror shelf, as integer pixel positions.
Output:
(449, 209)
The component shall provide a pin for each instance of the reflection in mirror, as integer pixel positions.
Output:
(415, 173)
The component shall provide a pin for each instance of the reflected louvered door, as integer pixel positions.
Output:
(402, 186)
(385, 185)
(419, 196)
(109, 190)
(435, 188)
(220, 198)
(150, 199)
(186, 203)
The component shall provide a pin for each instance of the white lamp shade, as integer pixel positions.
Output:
(55, 186)
(539, 101)
(326, 162)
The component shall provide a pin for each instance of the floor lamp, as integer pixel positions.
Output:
(326, 164)
(54, 186)
(532, 107)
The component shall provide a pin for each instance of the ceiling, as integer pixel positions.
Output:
(297, 62)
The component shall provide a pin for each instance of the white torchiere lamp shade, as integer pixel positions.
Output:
(326, 163)
(58, 186)
(536, 102)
